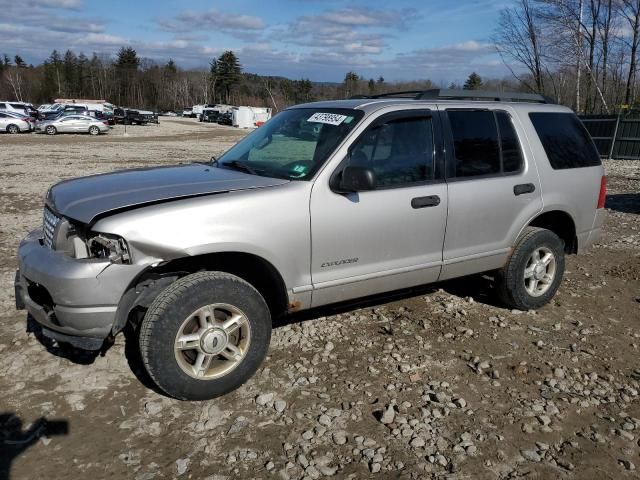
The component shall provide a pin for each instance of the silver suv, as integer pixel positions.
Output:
(326, 202)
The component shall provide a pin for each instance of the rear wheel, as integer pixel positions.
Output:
(534, 271)
(205, 335)
(13, 129)
(51, 130)
(94, 130)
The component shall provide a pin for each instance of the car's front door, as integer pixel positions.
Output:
(494, 189)
(391, 237)
(67, 124)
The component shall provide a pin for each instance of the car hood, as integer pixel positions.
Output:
(87, 198)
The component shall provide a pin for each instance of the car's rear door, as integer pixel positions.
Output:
(494, 188)
(389, 238)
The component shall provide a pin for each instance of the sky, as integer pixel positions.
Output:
(440, 40)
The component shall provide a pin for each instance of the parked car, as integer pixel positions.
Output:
(103, 117)
(73, 124)
(225, 118)
(392, 193)
(210, 115)
(18, 107)
(128, 116)
(187, 112)
(10, 123)
(151, 117)
(133, 117)
(30, 120)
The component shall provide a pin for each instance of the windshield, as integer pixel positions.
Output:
(294, 144)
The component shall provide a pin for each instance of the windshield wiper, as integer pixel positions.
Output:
(239, 166)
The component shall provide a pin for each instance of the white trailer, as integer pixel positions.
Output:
(250, 117)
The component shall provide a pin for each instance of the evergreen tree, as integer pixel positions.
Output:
(126, 66)
(351, 80)
(474, 82)
(69, 72)
(19, 62)
(227, 70)
(170, 67)
(372, 86)
(127, 59)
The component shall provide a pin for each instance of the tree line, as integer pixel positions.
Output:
(128, 80)
(583, 53)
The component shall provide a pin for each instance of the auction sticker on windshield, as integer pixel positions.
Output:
(328, 118)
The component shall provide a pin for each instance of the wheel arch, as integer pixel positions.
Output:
(562, 224)
(257, 271)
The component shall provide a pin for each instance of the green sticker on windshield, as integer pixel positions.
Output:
(299, 169)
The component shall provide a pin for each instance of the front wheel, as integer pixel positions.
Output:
(205, 335)
(94, 131)
(51, 130)
(533, 273)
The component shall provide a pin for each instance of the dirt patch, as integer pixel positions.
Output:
(467, 389)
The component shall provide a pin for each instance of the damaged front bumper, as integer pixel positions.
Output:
(75, 300)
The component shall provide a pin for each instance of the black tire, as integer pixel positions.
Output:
(94, 130)
(510, 280)
(166, 315)
(13, 129)
(51, 130)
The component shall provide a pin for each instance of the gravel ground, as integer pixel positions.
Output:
(439, 382)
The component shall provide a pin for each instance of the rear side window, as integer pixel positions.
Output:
(512, 160)
(565, 140)
(485, 143)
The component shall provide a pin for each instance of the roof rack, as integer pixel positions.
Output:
(454, 94)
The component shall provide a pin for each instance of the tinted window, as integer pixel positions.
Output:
(3, 106)
(475, 141)
(565, 140)
(17, 105)
(512, 160)
(399, 152)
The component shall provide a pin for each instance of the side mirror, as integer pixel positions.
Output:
(357, 179)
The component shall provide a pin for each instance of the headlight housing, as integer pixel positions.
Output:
(79, 242)
(109, 247)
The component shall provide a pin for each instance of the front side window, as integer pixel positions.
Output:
(400, 152)
(294, 144)
(565, 140)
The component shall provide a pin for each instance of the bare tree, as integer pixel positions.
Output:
(519, 39)
(631, 13)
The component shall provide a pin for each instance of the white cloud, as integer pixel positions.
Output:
(213, 19)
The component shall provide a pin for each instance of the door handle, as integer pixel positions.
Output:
(524, 188)
(424, 202)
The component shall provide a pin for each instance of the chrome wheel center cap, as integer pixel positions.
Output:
(213, 341)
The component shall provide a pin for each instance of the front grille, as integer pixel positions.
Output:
(49, 223)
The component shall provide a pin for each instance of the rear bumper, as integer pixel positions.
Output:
(70, 297)
(588, 238)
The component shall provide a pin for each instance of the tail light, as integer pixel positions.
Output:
(603, 192)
